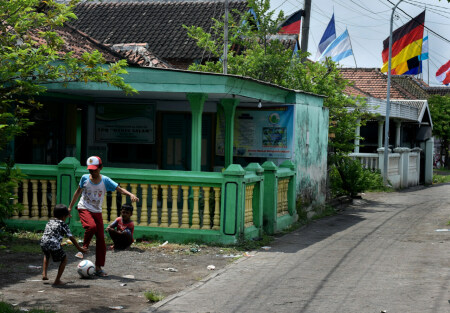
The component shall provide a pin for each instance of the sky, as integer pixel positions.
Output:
(368, 23)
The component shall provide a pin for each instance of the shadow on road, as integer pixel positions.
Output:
(323, 228)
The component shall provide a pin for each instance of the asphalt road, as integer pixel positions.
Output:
(382, 253)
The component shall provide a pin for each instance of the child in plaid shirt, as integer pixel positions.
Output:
(54, 232)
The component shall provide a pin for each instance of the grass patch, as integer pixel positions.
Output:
(326, 210)
(248, 245)
(21, 241)
(441, 179)
(26, 248)
(8, 308)
(153, 296)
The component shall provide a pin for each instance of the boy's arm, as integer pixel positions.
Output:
(75, 197)
(75, 243)
(112, 225)
(126, 192)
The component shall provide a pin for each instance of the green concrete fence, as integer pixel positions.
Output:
(178, 206)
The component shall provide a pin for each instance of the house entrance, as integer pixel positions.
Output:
(176, 144)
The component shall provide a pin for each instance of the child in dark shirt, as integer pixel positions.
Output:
(122, 229)
(54, 232)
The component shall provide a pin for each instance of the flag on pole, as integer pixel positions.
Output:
(253, 19)
(443, 74)
(292, 24)
(296, 48)
(328, 36)
(406, 47)
(423, 56)
(339, 49)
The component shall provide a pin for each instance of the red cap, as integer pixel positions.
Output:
(93, 163)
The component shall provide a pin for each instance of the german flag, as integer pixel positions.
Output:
(292, 24)
(406, 47)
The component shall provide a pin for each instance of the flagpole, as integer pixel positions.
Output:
(428, 60)
(305, 28)
(388, 103)
(351, 46)
(225, 40)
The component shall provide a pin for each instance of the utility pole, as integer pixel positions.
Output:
(225, 40)
(305, 27)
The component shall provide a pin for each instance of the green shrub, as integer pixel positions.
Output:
(9, 179)
(348, 177)
(8, 308)
(153, 296)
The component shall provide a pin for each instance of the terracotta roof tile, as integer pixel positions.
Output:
(139, 54)
(371, 82)
(79, 43)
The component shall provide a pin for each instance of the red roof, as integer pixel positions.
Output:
(370, 82)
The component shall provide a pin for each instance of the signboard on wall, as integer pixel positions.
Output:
(125, 123)
(266, 132)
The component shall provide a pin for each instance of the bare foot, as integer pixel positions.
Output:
(44, 278)
(59, 283)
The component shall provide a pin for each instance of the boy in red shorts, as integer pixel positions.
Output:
(92, 189)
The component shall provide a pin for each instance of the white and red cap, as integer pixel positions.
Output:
(93, 162)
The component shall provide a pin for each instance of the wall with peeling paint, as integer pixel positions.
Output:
(311, 146)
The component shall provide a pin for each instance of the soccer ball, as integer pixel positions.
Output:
(86, 269)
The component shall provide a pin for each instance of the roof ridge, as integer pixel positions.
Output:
(94, 41)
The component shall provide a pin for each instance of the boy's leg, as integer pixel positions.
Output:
(61, 268)
(114, 236)
(45, 267)
(89, 225)
(121, 240)
(100, 246)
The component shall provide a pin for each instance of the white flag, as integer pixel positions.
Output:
(340, 48)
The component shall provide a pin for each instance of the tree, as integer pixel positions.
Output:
(440, 112)
(30, 59)
(254, 53)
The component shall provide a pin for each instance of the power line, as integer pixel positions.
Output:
(367, 9)
(430, 30)
(357, 11)
(430, 5)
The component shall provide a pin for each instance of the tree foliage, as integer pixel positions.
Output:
(254, 52)
(31, 58)
(440, 112)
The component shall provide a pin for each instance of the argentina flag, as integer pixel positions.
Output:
(339, 49)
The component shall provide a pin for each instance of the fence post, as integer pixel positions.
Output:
(270, 197)
(404, 166)
(429, 145)
(233, 200)
(66, 183)
(258, 193)
(381, 161)
(417, 178)
(291, 188)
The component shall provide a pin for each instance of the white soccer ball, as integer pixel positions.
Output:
(86, 269)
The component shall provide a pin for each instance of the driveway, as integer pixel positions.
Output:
(383, 253)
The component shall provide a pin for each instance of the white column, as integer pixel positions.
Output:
(398, 126)
(380, 134)
(357, 134)
(429, 145)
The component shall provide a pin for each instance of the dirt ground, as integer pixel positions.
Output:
(164, 269)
